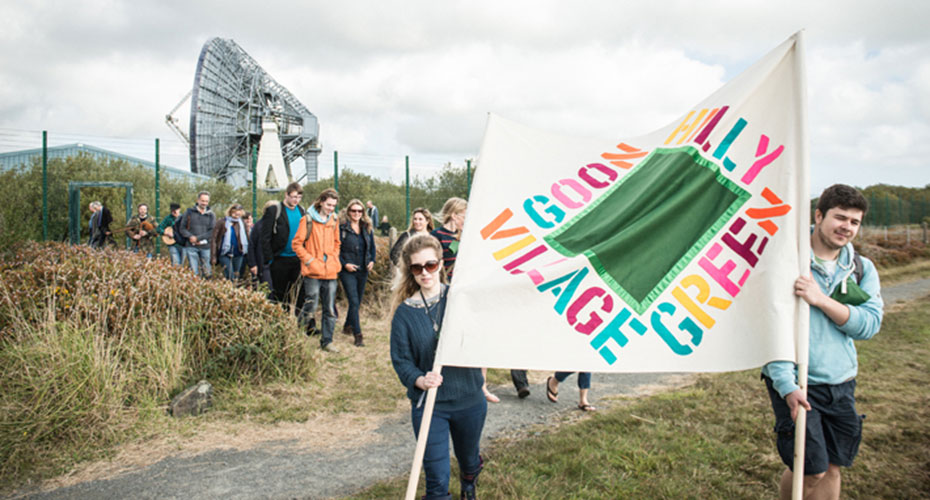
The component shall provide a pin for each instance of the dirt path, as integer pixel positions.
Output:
(285, 469)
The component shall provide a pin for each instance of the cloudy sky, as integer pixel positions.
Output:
(392, 78)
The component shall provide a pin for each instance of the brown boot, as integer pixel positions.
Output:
(358, 340)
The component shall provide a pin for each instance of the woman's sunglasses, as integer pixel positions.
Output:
(355, 210)
(431, 266)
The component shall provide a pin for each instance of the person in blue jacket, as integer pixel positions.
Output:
(419, 303)
(357, 255)
(845, 300)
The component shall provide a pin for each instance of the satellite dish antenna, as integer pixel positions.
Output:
(235, 104)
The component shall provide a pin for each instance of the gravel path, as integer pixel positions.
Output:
(279, 470)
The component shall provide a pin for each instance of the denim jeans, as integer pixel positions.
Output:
(177, 254)
(464, 426)
(199, 258)
(354, 286)
(323, 292)
(584, 378)
(231, 266)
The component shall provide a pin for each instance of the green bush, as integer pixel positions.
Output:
(93, 343)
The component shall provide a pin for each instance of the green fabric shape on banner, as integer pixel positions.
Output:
(642, 233)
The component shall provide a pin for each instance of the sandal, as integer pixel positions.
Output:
(586, 407)
(552, 395)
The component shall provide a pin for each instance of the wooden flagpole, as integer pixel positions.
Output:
(802, 327)
(800, 437)
(421, 437)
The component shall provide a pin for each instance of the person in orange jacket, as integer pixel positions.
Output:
(317, 247)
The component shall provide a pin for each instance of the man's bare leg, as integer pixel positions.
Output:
(825, 486)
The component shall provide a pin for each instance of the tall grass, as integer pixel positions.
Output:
(94, 343)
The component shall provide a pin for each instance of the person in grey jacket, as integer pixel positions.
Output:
(845, 300)
(197, 226)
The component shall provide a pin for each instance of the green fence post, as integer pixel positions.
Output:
(44, 185)
(407, 189)
(467, 178)
(336, 170)
(887, 210)
(254, 181)
(157, 196)
(128, 203)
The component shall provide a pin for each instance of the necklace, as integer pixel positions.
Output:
(429, 312)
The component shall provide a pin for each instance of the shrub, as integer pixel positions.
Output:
(93, 342)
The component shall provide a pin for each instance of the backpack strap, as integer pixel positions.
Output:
(857, 267)
(277, 213)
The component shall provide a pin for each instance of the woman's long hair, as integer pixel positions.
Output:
(451, 207)
(405, 285)
(425, 213)
(364, 224)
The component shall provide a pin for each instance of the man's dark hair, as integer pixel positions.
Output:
(294, 186)
(843, 196)
(175, 206)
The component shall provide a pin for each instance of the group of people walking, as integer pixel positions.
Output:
(301, 253)
(196, 237)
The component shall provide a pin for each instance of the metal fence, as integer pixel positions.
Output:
(22, 148)
(892, 211)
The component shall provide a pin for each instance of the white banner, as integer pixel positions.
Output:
(673, 251)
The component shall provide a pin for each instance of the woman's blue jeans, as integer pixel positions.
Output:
(354, 285)
(231, 265)
(464, 426)
(584, 378)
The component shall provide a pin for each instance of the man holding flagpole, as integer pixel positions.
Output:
(844, 293)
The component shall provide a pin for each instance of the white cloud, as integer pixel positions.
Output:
(418, 77)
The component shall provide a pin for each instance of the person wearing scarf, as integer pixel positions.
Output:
(230, 242)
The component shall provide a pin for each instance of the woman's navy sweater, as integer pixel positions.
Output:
(413, 349)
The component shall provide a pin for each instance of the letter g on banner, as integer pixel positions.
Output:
(558, 215)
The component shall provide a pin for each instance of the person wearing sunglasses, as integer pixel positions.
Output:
(419, 302)
(357, 255)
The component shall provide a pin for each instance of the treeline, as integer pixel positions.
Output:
(21, 192)
(894, 205)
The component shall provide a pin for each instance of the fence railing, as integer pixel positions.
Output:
(889, 211)
(19, 148)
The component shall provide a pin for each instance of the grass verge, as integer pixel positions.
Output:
(714, 439)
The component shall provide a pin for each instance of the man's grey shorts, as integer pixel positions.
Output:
(834, 429)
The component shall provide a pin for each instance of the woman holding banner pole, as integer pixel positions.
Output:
(419, 302)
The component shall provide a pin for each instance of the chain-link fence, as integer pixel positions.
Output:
(36, 168)
(893, 211)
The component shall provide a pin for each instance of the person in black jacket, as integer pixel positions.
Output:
(278, 226)
(255, 258)
(421, 222)
(99, 225)
(196, 227)
(357, 255)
